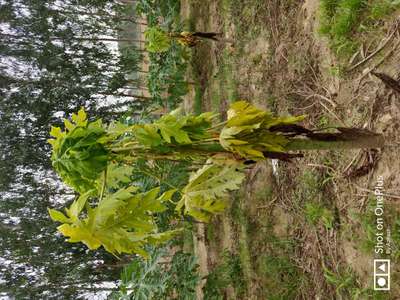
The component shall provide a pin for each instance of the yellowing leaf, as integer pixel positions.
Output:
(242, 113)
(167, 196)
(80, 118)
(207, 191)
(68, 125)
(77, 206)
(56, 132)
(247, 131)
(58, 216)
(79, 234)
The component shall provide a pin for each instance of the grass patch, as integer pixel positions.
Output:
(341, 20)
(347, 285)
(281, 277)
(381, 8)
(310, 185)
(239, 217)
(316, 214)
(228, 273)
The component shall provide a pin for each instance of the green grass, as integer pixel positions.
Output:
(341, 20)
(284, 277)
(348, 286)
(316, 214)
(243, 229)
(281, 277)
(309, 187)
(381, 8)
(228, 273)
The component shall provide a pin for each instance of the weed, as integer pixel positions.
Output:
(336, 71)
(264, 194)
(347, 285)
(381, 8)
(341, 19)
(210, 232)
(282, 278)
(316, 214)
(310, 186)
(272, 103)
(344, 281)
(323, 122)
(229, 272)
(257, 59)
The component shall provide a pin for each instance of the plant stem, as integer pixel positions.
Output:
(363, 141)
(103, 187)
(217, 125)
(160, 180)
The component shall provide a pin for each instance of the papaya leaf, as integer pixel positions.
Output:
(157, 40)
(167, 196)
(147, 135)
(207, 191)
(78, 155)
(172, 127)
(122, 222)
(58, 216)
(77, 206)
(242, 113)
(246, 132)
(117, 175)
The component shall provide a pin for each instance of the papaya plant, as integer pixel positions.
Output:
(159, 40)
(92, 158)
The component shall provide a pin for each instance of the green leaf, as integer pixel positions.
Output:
(157, 40)
(147, 135)
(207, 191)
(56, 132)
(171, 127)
(122, 222)
(58, 216)
(117, 175)
(247, 131)
(77, 206)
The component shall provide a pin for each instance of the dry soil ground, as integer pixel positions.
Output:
(307, 231)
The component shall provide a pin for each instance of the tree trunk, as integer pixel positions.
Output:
(126, 95)
(17, 37)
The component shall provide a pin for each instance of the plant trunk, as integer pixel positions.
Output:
(348, 138)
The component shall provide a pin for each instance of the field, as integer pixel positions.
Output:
(301, 230)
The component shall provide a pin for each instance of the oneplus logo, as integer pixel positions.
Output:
(382, 274)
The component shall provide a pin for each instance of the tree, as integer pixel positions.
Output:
(53, 61)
